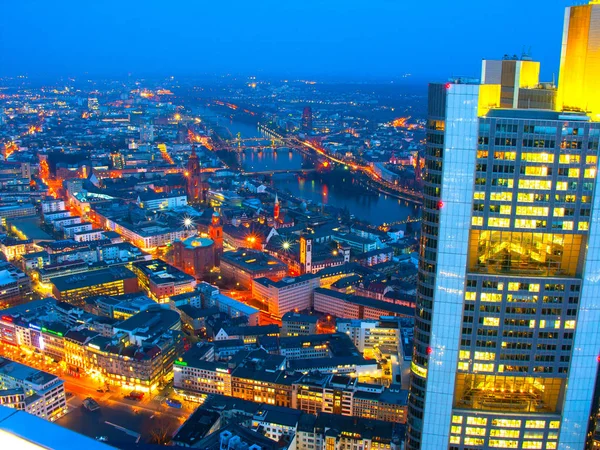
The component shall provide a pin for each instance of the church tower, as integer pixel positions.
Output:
(305, 254)
(197, 188)
(276, 209)
(215, 232)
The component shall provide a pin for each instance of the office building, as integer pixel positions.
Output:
(34, 391)
(161, 280)
(350, 306)
(75, 289)
(287, 294)
(70, 230)
(15, 286)
(316, 346)
(147, 236)
(93, 103)
(506, 342)
(12, 211)
(50, 205)
(251, 375)
(244, 265)
(87, 236)
(296, 324)
(247, 334)
(153, 201)
(193, 373)
(336, 432)
(141, 351)
(339, 394)
(371, 335)
(212, 297)
(147, 133)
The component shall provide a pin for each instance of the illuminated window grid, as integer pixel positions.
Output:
(504, 433)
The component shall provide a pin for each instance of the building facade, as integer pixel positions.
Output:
(42, 393)
(506, 342)
(161, 280)
(296, 324)
(287, 294)
(75, 289)
(244, 265)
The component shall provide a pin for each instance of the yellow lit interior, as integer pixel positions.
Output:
(524, 253)
(507, 393)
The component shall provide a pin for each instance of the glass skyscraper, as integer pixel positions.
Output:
(507, 333)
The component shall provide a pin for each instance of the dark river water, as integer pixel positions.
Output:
(340, 192)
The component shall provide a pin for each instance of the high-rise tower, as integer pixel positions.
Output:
(506, 335)
(307, 119)
(579, 83)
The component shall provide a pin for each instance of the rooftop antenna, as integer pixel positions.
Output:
(526, 54)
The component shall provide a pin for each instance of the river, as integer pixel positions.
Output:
(341, 192)
(375, 208)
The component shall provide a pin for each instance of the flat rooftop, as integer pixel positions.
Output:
(287, 281)
(10, 276)
(154, 320)
(301, 365)
(81, 280)
(297, 317)
(278, 415)
(244, 309)
(161, 273)
(22, 372)
(30, 228)
(253, 261)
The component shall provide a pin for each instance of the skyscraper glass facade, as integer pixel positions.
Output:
(507, 335)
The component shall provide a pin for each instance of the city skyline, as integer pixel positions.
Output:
(378, 40)
(300, 226)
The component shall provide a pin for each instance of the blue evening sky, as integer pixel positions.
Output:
(351, 38)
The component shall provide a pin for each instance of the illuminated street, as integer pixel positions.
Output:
(114, 408)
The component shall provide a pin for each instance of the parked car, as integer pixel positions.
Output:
(173, 403)
(90, 404)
